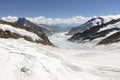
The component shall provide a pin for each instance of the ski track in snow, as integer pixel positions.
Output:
(69, 61)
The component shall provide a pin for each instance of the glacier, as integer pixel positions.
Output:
(23, 60)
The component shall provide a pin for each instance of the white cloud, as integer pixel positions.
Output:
(10, 18)
(53, 21)
(110, 17)
(72, 20)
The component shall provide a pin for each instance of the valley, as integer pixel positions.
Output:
(59, 40)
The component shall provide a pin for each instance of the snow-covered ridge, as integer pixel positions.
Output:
(19, 31)
(25, 32)
(116, 25)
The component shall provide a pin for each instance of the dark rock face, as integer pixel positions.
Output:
(8, 34)
(75, 37)
(86, 26)
(101, 34)
(113, 38)
(93, 33)
(38, 28)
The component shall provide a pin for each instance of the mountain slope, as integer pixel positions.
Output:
(110, 39)
(12, 30)
(100, 31)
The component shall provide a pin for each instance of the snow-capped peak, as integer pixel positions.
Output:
(97, 21)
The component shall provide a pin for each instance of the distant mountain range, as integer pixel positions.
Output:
(43, 28)
(104, 28)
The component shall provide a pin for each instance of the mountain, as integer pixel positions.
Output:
(40, 28)
(15, 31)
(86, 25)
(106, 32)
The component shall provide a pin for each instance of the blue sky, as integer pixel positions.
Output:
(59, 8)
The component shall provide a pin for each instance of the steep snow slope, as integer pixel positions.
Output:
(23, 60)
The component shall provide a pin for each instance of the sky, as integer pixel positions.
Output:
(59, 8)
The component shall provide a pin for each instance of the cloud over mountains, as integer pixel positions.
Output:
(75, 20)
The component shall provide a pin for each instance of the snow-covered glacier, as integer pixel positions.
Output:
(23, 60)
